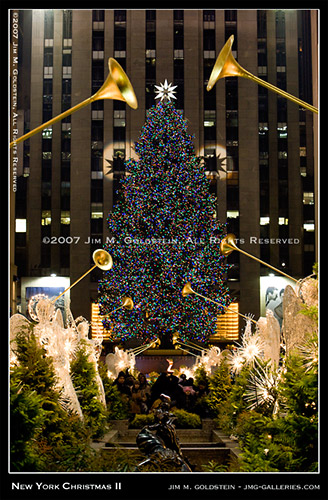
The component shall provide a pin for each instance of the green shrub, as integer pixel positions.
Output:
(83, 376)
(220, 387)
(117, 407)
(27, 416)
(200, 375)
(213, 466)
(44, 437)
(286, 441)
(140, 420)
(186, 420)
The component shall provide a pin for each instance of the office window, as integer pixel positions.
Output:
(119, 118)
(262, 58)
(99, 15)
(261, 24)
(309, 226)
(48, 24)
(48, 56)
(208, 15)
(47, 133)
(308, 198)
(209, 117)
(67, 24)
(20, 225)
(98, 42)
(97, 190)
(151, 66)
(280, 24)
(231, 93)
(97, 210)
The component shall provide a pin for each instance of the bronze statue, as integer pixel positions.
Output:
(160, 442)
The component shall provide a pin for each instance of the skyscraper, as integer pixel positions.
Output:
(260, 149)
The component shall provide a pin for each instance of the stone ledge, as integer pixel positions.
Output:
(229, 443)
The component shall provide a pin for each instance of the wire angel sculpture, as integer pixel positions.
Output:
(119, 360)
(269, 332)
(298, 327)
(209, 359)
(61, 344)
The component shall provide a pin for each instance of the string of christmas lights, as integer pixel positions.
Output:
(164, 235)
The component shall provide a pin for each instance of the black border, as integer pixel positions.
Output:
(152, 485)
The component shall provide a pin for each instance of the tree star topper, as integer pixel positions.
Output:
(165, 91)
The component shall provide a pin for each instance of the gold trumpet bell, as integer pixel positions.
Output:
(102, 259)
(128, 303)
(187, 290)
(228, 244)
(117, 86)
(226, 65)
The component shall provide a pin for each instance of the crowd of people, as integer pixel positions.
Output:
(144, 398)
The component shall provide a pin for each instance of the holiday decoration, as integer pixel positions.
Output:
(101, 259)
(269, 331)
(116, 86)
(308, 352)
(226, 65)
(61, 345)
(262, 387)
(93, 350)
(118, 361)
(187, 290)
(18, 323)
(163, 234)
(165, 91)
(246, 353)
(228, 245)
(297, 327)
(308, 291)
(210, 359)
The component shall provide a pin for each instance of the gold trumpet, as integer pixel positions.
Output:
(226, 65)
(102, 259)
(138, 350)
(228, 245)
(116, 86)
(127, 304)
(187, 290)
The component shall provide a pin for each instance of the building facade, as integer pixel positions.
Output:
(260, 149)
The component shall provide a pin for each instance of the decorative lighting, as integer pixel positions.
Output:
(120, 360)
(161, 235)
(262, 387)
(165, 91)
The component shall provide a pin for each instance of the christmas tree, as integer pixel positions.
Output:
(164, 233)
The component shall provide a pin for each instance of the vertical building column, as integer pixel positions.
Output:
(295, 206)
(33, 236)
(136, 70)
(164, 46)
(80, 160)
(221, 124)
(108, 123)
(193, 79)
(56, 138)
(273, 138)
(249, 203)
